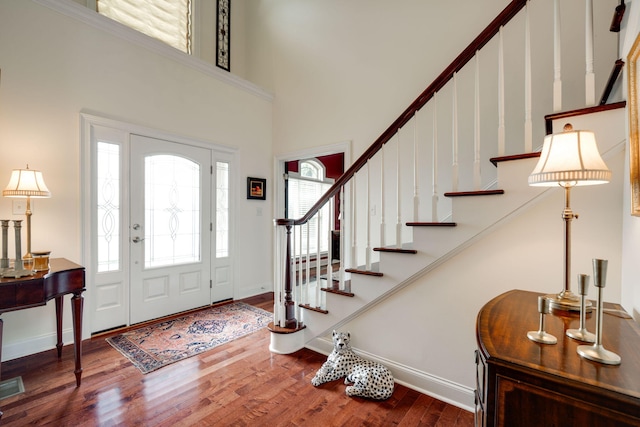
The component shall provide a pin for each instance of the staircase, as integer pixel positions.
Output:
(371, 275)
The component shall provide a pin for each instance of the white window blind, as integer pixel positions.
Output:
(305, 189)
(165, 20)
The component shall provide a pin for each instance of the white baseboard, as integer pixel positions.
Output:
(256, 290)
(423, 382)
(34, 345)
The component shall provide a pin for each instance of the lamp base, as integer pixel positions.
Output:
(568, 301)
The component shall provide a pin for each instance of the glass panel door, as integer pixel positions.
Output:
(170, 223)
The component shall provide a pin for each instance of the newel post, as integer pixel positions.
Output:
(290, 320)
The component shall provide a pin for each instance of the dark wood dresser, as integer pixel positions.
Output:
(522, 383)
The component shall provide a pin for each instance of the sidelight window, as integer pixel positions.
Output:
(108, 201)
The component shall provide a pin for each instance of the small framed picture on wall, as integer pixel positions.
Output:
(256, 188)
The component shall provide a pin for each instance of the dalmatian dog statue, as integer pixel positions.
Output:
(364, 378)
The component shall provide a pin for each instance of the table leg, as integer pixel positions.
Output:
(59, 301)
(77, 302)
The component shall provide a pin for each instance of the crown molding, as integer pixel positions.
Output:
(85, 15)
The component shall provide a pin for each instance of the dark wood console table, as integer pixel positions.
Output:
(523, 383)
(64, 277)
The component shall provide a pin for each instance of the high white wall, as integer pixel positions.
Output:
(346, 70)
(52, 68)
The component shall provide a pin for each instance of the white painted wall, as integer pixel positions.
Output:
(631, 224)
(346, 70)
(52, 68)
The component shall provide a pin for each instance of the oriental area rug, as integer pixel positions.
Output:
(152, 347)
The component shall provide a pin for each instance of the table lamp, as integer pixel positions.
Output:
(27, 183)
(569, 159)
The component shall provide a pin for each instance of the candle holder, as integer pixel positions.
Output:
(540, 335)
(581, 333)
(18, 266)
(4, 261)
(597, 352)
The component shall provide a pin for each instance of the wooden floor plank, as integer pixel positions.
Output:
(237, 384)
(417, 411)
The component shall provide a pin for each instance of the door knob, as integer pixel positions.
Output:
(137, 239)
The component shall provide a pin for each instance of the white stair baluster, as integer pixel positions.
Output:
(398, 190)
(368, 219)
(297, 255)
(454, 142)
(331, 207)
(308, 263)
(501, 116)
(295, 288)
(354, 222)
(590, 77)
(557, 58)
(342, 239)
(434, 162)
(383, 225)
(477, 179)
(528, 124)
(416, 177)
(318, 259)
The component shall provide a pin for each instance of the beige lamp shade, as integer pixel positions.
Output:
(570, 158)
(26, 183)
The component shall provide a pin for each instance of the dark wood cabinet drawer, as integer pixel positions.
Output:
(7, 296)
(30, 293)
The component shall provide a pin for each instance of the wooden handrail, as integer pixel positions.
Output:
(458, 63)
(617, 69)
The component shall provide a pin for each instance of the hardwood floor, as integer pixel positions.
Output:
(237, 384)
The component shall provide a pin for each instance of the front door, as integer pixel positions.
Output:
(170, 227)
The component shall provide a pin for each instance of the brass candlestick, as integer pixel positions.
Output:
(581, 333)
(597, 352)
(540, 335)
(4, 261)
(18, 266)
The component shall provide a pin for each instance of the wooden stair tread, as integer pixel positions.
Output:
(496, 160)
(549, 118)
(338, 292)
(474, 193)
(364, 272)
(347, 283)
(396, 250)
(280, 330)
(316, 309)
(431, 224)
